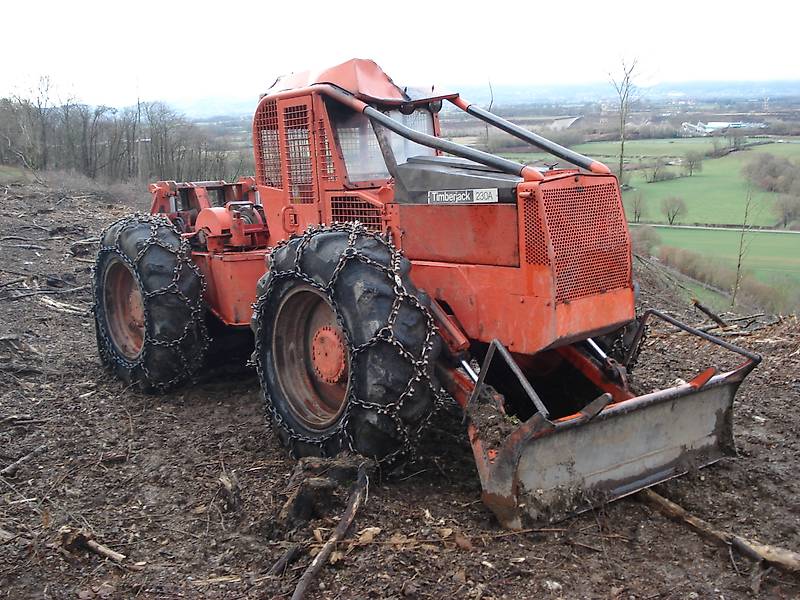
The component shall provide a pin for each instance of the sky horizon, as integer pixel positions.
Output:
(103, 53)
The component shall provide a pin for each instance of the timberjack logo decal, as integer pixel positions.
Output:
(483, 196)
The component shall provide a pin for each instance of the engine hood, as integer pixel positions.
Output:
(428, 179)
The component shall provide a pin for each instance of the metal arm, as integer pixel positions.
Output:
(566, 154)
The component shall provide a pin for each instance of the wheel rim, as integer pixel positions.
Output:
(124, 310)
(311, 359)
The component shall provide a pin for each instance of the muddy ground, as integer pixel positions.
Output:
(142, 473)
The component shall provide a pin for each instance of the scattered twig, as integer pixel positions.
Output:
(12, 469)
(353, 504)
(772, 555)
(18, 238)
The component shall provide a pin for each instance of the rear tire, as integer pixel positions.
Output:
(148, 304)
(345, 346)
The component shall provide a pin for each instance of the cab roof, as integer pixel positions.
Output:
(364, 79)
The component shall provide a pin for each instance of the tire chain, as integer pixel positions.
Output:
(196, 308)
(385, 334)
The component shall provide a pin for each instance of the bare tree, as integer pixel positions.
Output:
(717, 146)
(657, 171)
(736, 138)
(787, 209)
(625, 88)
(491, 103)
(672, 208)
(693, 162)
(638, 206)
(743, 248)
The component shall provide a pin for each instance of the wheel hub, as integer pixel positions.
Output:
(311, 357)
(328, 355)
(124, 310)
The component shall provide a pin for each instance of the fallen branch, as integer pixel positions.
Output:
(772, 555)
(709, 313)
(12, 469)
(353, 504)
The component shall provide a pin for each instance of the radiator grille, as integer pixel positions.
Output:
(298, 153)
(535, 243)
(353, 208)
(268, 154)
(590, 242)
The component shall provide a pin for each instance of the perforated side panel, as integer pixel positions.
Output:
(268, 149)
(589, 236)
(535, 243)
(353, 208)
(298, 153)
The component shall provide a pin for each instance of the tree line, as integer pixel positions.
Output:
(147, 141)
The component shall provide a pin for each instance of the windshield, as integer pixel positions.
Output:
(360, 148)
(420, 120)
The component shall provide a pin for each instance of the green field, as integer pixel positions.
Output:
(717, 195)
(770, 257)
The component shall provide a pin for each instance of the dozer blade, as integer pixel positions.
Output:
(544, 470)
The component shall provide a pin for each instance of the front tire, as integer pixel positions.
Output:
(148, 304)
(345, 346)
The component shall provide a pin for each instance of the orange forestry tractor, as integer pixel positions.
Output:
(385, 271)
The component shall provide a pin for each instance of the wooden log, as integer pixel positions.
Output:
(353, 504)
(778, 557)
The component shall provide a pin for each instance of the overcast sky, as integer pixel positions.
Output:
(113, 51)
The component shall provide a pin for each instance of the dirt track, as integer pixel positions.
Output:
(142, 473)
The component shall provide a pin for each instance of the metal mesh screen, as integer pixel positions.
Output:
(268, 151)
(298, 153)
(589, 236)
(535, 244)
(325, 158)
(353, 208)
